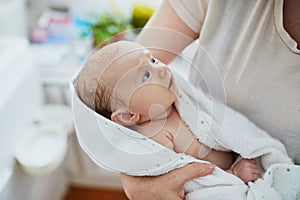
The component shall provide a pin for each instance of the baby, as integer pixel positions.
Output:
(125, 83)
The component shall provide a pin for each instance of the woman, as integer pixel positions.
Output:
(248, 57)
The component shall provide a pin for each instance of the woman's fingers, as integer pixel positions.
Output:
(192, 171)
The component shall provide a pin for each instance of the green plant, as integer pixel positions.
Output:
(107, 26)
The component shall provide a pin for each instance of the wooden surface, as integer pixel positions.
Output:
(82, 193)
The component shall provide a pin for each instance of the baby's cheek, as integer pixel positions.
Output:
(139, 102)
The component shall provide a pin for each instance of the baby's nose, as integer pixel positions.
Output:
(162, 70)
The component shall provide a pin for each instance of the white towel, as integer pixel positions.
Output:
(236, 133)
(280, 182)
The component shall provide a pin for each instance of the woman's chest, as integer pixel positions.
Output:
(291, 19)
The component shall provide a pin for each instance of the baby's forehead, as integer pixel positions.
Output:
(128, 56)
(130, 51)
(113, 53)
(123, 61)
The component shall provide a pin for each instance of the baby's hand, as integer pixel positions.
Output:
(246, 169)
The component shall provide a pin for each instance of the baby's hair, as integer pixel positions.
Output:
(91, 89)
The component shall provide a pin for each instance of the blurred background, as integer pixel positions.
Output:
(42, 44)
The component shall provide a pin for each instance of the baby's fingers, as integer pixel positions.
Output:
(255, 175)
(251, 177)
(252, 161)
(256, 171)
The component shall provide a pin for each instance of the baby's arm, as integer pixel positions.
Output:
(245, 169)
(185, 142)
(223, 159)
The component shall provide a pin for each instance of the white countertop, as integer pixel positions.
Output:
(56, 63)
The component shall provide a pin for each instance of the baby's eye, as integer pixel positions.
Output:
(154, 61)
(146, 75)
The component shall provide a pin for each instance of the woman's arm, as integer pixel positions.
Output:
(166, 34)
(168, 186)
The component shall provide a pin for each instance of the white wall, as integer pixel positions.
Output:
(124, 6)
(13, 20)
(92, 5)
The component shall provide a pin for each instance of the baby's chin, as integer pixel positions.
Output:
(160, 112)
(174, 90)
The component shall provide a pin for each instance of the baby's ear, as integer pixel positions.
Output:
(123, 117)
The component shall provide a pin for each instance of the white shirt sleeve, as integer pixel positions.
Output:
(191, 12)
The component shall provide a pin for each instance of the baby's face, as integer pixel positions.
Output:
(141, 81)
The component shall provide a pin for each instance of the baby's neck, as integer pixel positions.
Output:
(148, 127)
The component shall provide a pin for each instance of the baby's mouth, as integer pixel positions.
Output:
(171, 84)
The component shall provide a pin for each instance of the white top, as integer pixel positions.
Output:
(249, 60)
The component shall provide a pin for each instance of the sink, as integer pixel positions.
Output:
(21, 95)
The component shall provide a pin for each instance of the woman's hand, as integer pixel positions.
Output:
(168, 186)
